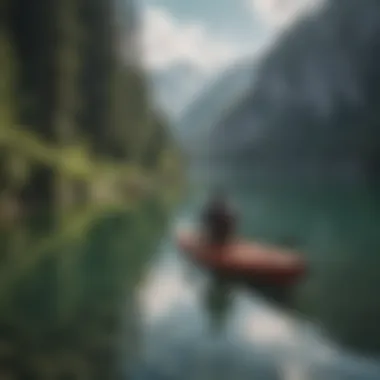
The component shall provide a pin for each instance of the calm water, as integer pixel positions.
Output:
(110, 297)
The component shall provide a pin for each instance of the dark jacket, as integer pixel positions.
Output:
(218, 222)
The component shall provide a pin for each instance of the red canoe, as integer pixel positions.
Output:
(243, 259)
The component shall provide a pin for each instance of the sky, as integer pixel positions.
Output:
(185, 43)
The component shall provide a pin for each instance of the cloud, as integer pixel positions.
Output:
(181, 57)
(280, 13)
(167, 41)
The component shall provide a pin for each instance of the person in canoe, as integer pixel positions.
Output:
(218, 220)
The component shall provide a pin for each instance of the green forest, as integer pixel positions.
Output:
(85, 165)
(76, 122)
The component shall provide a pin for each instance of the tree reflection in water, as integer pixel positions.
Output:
(63, 296)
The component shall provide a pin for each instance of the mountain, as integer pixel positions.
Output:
(175, 86)
(314, 107)
(212, 102)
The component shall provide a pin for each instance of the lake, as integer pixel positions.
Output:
(108, 295)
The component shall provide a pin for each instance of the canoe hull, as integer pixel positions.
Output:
(256, 263)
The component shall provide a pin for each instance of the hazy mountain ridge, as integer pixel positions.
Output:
(175, 86)
(213, 101)
(315, 98)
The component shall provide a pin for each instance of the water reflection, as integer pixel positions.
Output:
(337, 229)
(248, 336)
(223, 330)
(63, 294)
(241, 329)
(106, 298)
(217, 301)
